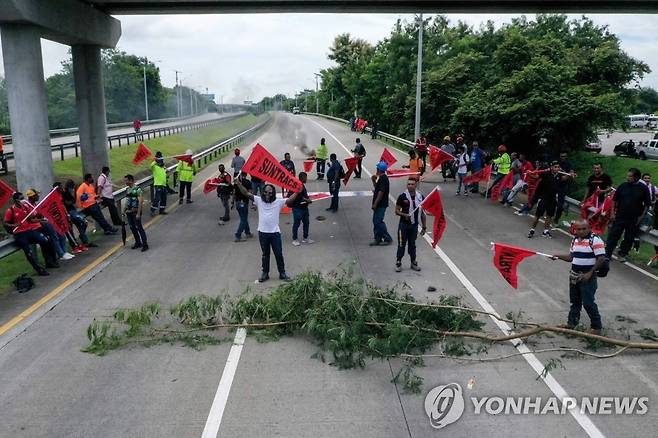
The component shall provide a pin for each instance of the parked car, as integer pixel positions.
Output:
(626, 148)
(648, 150)
(593, 147)
(295, 110)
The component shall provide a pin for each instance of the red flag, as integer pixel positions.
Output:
(266, 167)
(350, 163)
(438, 157)
(507, 258)
(141, 154)
(308, 165)
(399, 173)
(481, 175)
(599, 220)
(185, 157)
(5, 192)
(388, 158)
(52, 208)
(319, 196)
(210, 185)
(433, 204)
(506, 183)
(591, 202)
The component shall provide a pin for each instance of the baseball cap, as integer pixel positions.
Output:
(31, 192)
(381, 166)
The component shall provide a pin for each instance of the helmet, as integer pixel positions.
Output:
(502, 149)
(381, 166)
(446, 138)
(189, 152)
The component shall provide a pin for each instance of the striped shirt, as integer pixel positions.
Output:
(585, 251)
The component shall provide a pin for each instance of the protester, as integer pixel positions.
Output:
(462, 169)
(421, 149)
(352, 122)
(105, 190)
(58, 240)
(415, 165)
(381, 186)
(334, 175)
(407, 207)
(503, 167)
(374, 130)
(186, 173)
(598, 181)
(68, 196)
(269, 233)
(300, 212)
(133, 212)
(287, 164)
(76, 247)
(159, 201)
(563, 185)
(546, 194)
(477, 157)
(237, 162)
(224, 189)
(586, 255)
(647, 220)
(359, 151)
(521, 184)
(29, 234)
(447, 166)
(85, 199)
(321, 156)
(241, 203)
(137, 126)
(631, 201)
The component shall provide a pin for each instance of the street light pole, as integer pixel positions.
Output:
(178, 93)
(146, 98)
(317, 103)
(419, 73)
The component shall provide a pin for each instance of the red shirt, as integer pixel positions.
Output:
(14, 215)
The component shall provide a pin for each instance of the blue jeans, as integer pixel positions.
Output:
(460, 181)
(159, 198)
(59, 242)
(243, 211)
(137, 229)
(80, 224)
(582, 295)
(300, 216)
(271, 241)
(379, 227)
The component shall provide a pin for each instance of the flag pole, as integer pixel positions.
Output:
(37, 206)
(486, 191)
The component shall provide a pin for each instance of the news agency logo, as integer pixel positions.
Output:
(444, 405)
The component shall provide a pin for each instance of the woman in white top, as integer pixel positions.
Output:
(463, 159)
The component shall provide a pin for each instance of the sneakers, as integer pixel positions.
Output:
(283, 276)
(67, 256)
(145, 248)
(466, 193)
(135, 246)
(521, 213)
(457, 194)
(415, 267)
(547, 234)
(398, 267)
(531, 233)
(374, 243)
(386, 242)
(221, 222)
(239, 239)
(77, 250)
(189, 201)
(249, 235)
(308, 241)
(621, 258)
(42, 272)
(180, 201)
(593, 331)
(295, 243)
(263, 277)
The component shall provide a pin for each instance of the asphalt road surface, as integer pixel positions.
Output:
(48, 388)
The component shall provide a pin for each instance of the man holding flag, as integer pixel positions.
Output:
(379, 205)
(186, 172)
(407, 208)
(359, 152)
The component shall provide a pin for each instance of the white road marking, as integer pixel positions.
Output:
(583, 420)
(221, 396)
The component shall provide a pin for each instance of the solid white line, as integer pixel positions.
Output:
(557, 389)
(221, 396)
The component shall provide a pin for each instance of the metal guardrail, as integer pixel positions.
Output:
(202, 158)
(646, 235)
(125, 139)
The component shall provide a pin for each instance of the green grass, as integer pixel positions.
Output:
(121, 157)
(121, 164)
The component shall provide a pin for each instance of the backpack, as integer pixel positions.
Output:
(604, 269)
(23, 283)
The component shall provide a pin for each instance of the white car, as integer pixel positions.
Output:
(295, 110)
(648, 150)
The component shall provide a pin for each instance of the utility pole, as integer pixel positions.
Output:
(146, 98)
(178, 91)
(419, 76)
(317, 104)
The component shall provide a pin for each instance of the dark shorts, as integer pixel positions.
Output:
(546, 207)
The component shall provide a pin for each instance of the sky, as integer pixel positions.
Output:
(249, 56)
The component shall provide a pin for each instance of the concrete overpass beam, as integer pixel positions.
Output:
(90, 102)
(28, 108)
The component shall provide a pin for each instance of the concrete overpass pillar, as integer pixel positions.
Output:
(90, 102)
(28, 108)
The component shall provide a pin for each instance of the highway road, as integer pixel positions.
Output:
(48, 388)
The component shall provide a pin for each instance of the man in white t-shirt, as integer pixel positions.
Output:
(269, 233)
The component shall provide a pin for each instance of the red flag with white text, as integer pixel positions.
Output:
(388, 158)
(433, 204)
(350, 163)
(141, 154)
(481, 175)
(507, 258)
(438, 157)
(266, 167)
(52, 208)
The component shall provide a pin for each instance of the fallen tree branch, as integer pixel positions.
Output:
(507, 356)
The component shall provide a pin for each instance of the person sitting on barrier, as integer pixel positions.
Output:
(59, 240)
(68, 196)
(159, 201)
(76, 247)
(86, 200)
(26, 230)
(133, 211)
(186, 173)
